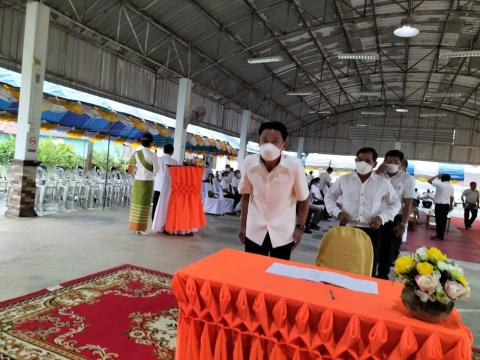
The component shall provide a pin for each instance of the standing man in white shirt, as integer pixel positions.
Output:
(443, 203)
(207, 171)
(368, 200)
(394, 231)
(325, 181)
(273, 187)
(163, 162)
(471, 202)
(145, 165)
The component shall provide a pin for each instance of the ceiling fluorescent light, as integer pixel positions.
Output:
(459, 54)
(444, 95)
(323, 112)
(373, 113)
(367, 93)
(299, 93)
(433, 115)
(401, 110)
(263, 60)
(406, 29)
(358, 56)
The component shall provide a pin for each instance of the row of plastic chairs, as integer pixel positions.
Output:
(59, 190)
(62, 190)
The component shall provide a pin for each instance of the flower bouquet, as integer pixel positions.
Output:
(432, 283)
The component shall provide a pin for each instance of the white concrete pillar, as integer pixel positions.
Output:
(398, 145)
(246, 117)
(301, 146)
(183, 108)
(33, 73)
(21, 199)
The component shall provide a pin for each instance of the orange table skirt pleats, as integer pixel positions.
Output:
(185, 209)
(222, 320)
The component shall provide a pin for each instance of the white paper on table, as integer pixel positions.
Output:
(345, 281)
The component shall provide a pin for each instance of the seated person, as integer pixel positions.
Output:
(210, 188)
(228, 192)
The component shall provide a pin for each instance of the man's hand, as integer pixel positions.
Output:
(376, 222)
(297, 237)
(399, 229)
(242, 234)
(344, 218)
(382, 168)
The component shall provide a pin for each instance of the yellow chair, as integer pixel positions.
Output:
(347, 249)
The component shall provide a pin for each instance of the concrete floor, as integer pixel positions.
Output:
(36, 253)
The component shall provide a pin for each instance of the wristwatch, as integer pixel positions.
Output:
(301, 227)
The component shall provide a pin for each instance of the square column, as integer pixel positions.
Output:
(246, 117)
(300, 146)
(21, 199)
(183, 108)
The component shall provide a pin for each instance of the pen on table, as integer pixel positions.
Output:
(331, 294)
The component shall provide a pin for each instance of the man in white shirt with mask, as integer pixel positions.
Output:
(273, 186)
(368, 200)
(394, 231)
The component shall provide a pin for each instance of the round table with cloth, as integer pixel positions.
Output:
(180, 209)
(231, 308)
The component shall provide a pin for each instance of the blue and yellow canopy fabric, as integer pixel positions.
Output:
(81, 120)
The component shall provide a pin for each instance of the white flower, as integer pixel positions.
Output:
(455, 290)
(421, 254)
(424, 297)
(427, 283)
(467, 293)
(443, 266)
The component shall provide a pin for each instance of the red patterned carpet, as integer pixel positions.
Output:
(122, 313)
(459, 244)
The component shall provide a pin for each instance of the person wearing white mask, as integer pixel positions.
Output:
(393, 232)
(368, 200)
(273, 185)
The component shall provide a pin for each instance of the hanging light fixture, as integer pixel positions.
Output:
(406, 29)
(401, 110)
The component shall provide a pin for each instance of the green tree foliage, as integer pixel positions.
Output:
(7, 150)
(115, 159)
(53, 154)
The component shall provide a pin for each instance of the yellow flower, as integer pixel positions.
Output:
(462, 280)
(404, 264)
(434, 255)
(424, 268)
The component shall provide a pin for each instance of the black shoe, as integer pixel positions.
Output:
(434, 238)
(307, 231)
(314, 227)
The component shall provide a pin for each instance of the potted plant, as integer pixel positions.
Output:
(432, 283)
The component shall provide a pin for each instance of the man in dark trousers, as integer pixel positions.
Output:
(443, 203)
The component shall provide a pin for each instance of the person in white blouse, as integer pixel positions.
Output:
(273, 186)
(368, 200)
(163, 162)
(394, 231)
(145, 165)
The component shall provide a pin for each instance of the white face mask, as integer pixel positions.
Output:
(392, 168)
(363, 168)
(269, 152)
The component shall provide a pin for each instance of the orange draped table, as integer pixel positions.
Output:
(185, 209)
(230, 308)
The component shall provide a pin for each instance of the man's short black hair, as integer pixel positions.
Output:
(370, 150)
(329, 170)
(274, 125)
(146, 140)
(473, 183)
(168, 149)
(311, 172)
(395, 153)
(445, 177)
